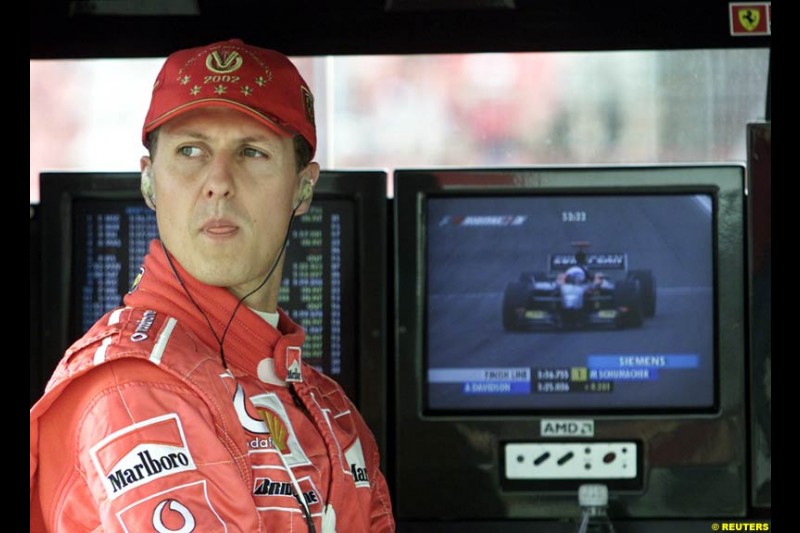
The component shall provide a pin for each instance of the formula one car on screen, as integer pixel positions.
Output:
(581, 290)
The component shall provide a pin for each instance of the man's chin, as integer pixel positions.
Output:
(215, 275)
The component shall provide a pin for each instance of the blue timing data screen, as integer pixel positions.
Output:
(111, 238)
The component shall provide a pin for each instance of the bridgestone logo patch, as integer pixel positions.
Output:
(141, 453)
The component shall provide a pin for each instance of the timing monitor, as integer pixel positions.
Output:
(96, 229)
(563, 325)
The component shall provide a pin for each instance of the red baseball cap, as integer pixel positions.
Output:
(262, 83)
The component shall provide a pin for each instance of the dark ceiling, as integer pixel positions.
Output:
(154, 28)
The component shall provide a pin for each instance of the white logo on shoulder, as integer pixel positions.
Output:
(144, 325)
(140, 453)
(358, 467)
(180, 509)
(175, 507)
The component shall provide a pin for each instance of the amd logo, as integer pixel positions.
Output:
(550, 427)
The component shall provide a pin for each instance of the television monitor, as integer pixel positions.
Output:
(561, 325)
(96, 229)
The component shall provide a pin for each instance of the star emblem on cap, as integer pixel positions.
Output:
(260, 81)
(194, 91)
(220, 89)
(247, 91)
(184, 80)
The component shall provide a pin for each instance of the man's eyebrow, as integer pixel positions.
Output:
(242, 140)
(193, 134)
(255, 138)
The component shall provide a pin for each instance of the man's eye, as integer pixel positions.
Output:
(189, 151)
(252, 152)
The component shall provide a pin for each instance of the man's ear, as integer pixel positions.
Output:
(308, 179)
(147, 184)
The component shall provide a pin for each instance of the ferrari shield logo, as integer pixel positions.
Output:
(749, 18)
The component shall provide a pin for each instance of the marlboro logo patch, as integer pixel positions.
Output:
(293, 364)
(141, 453)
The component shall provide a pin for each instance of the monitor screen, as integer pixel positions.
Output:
(110, 239)
(97, 229)
(567, 300)
(319, 277)
(569, 324)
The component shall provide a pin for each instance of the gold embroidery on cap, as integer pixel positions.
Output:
(308, 103)
(223, 63)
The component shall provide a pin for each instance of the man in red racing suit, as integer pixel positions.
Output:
(145, 455)
(189, 408)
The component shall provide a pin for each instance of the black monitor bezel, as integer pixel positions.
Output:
(433, 452)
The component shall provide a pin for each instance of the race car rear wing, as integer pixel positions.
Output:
(594, 261)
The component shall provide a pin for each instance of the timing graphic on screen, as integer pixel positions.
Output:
(567, 302)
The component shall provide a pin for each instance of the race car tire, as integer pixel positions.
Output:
(627, 294)
(515, 297)
(647, 286)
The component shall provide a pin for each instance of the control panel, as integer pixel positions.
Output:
(616, 463)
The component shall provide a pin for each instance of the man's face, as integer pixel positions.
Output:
(224, 185)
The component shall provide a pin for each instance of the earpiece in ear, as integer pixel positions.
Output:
(147, 187)
(307, 190)
(305, 193)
